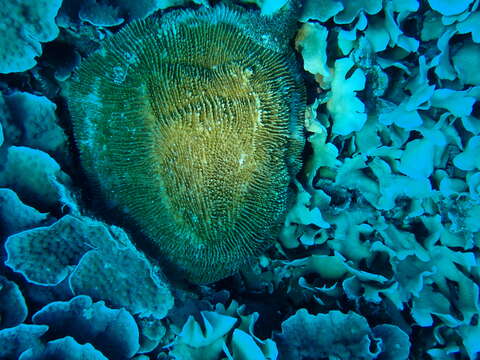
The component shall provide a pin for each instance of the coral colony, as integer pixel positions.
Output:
(194, 129)
(239, 179)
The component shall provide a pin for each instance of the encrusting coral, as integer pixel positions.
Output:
(192, 126)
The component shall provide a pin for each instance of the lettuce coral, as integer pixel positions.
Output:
(35, 177)
(471, 25)
(37, 123)
(46, 255)
(268, 7)
(407, 240)
(225, 330)
(23, 26)
(100, 14)
(66, 349)
(15, 216)
(144, 294)
(140, 9)
(320, 10)
(111, 331)
(352, 9)
(212, 141)
(207, 343)
(448, 8)
(396, 11)
(465, 61)
(382, 225)
(13, 309)
(468, 159)
(311, 41)
(339, 336)
(347, 111)
(81, 248)
(15, 340)
(458, 103)
(406, 114)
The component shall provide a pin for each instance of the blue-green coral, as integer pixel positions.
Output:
(340, 336)
(91, 256)
(112, 331)
(409, 206)
(225, 331)
(11, 298)
(23, 26)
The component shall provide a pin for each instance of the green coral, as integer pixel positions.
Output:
(210, 168)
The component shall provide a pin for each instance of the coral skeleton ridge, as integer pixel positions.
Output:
(192, 127)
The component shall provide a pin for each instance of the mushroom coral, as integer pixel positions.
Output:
(192, 127)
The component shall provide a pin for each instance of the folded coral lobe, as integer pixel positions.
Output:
(192, 126)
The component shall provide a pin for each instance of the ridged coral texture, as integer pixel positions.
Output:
(193, 128)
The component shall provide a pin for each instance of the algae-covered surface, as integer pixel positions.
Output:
(239, 179)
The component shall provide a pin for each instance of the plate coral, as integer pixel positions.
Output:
(194, 128)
